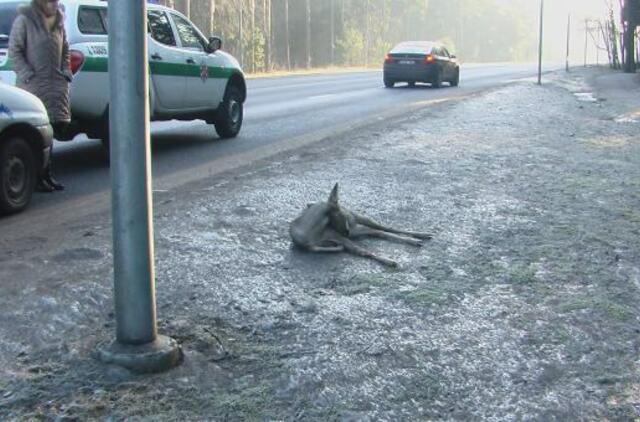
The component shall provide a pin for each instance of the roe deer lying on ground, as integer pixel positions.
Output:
(327, 227)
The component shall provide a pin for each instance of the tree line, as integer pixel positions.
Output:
(267, 35)
(616, 34)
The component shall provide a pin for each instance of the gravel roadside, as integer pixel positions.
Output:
(523, 306)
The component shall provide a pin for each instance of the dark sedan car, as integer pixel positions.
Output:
(420, 61)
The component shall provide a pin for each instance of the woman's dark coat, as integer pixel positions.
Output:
(41, 61)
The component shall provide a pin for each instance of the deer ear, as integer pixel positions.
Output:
(333, 198)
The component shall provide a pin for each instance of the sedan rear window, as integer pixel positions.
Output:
(413, 48)
(92, 20)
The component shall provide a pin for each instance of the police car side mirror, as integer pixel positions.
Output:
(215, 44)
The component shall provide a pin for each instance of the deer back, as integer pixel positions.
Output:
(310, 228)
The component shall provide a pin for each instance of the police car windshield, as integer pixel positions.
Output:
(8, 12)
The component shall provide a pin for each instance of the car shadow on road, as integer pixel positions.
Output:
(84, 155)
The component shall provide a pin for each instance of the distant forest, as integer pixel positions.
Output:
(267, 35)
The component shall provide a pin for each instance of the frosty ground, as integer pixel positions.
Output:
(523, 306)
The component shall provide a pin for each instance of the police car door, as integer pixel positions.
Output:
(165, 63)
(201, 87)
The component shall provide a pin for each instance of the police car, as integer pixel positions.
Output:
(190, 76)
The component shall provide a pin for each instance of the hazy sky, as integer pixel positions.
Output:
(556, 17)
(582, 8)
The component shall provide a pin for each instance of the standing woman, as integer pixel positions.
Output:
(39, 50)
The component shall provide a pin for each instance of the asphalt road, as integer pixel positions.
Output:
(281, 113)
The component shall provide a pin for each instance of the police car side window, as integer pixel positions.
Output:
(160, 28)
(90, 21)
(189, 37)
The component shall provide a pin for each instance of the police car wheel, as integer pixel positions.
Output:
(99, 129)
(18, 173)
(229, 119)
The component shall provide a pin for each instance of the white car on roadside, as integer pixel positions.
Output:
(190, 76)
(25, 142)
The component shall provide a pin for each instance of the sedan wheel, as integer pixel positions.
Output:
(17, 175)
(456, 79)
(437, 80)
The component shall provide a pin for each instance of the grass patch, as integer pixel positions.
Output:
(363, 283)
(602, 305)
(631, 215)
(249, 403)
(425, 297)
(522, 274)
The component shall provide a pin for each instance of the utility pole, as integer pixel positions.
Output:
(187, 8)
(308, 42)
(540, 43)
(568, 39)
(586, 40)
(253, 36)
(211, 17)
(137, 347)
(333, 32)
(287, 35)
(241, 27)
(367, 35)
(267, 37)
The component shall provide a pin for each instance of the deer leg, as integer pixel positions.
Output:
(357, 250)
(326, 249)
(366, 221)
(362, 231)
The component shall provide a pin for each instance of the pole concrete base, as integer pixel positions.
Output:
(160, 355)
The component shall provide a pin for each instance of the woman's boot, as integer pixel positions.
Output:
(48, 181)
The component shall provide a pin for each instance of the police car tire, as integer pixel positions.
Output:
(99, 129)
(18, 175)
(229, 119)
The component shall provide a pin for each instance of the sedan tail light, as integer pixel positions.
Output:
(429, 59)
(76, 61)
(388, 59)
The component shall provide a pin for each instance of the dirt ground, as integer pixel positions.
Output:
(524, 306)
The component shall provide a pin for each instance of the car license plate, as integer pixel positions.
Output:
(407, 62)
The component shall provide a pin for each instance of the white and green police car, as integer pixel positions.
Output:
(190, 76)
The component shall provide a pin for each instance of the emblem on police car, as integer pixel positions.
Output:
(204, 72)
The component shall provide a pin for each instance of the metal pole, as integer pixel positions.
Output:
(137, 346)
(131, 175)
(540, 43)
(568, 39)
